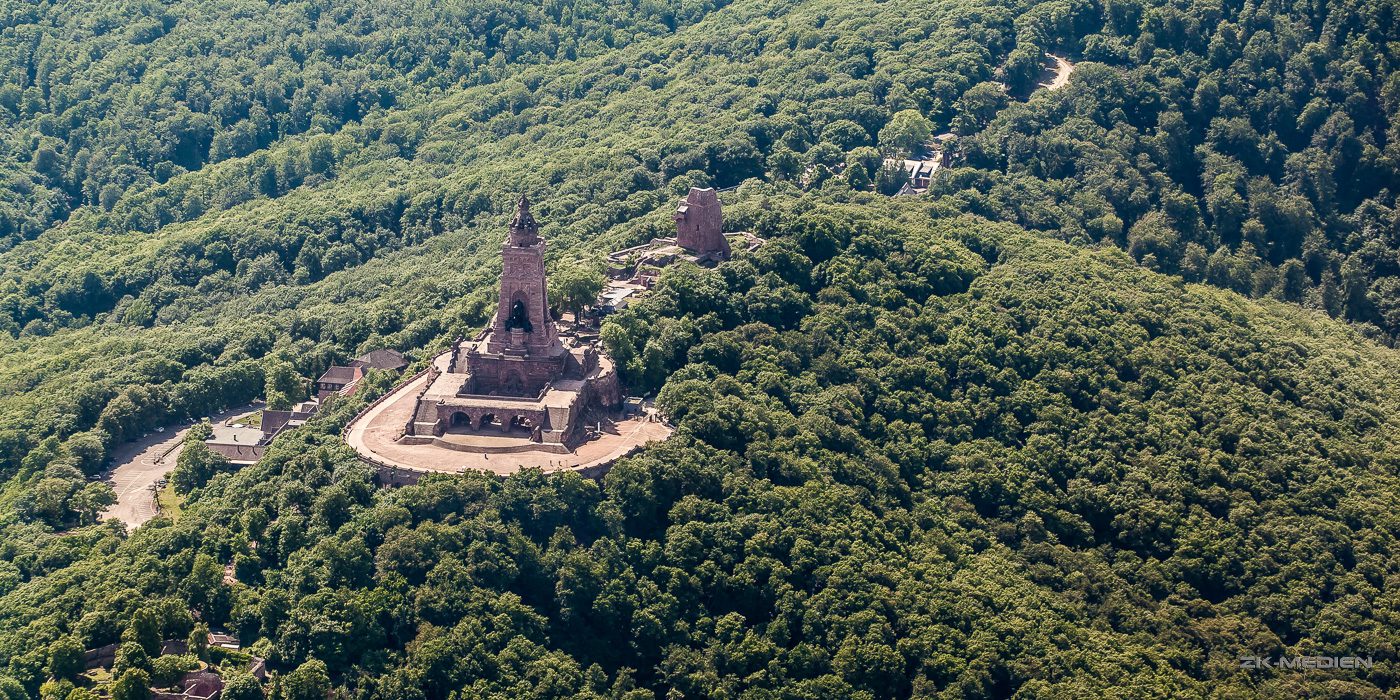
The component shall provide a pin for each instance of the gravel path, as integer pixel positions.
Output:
(1063, 68)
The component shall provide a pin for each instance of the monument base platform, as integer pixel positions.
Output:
(486, 444)
(378, 436)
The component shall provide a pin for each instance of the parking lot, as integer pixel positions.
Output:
(139, 466)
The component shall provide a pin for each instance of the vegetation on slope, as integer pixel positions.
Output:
(1251, 146)
(102, 97)
(1255, 146)
(896, 442)
(138, 307)
(944, 458)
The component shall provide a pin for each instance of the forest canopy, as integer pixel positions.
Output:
(1109, 406)
(915, 457)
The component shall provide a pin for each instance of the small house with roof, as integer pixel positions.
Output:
(339, 379)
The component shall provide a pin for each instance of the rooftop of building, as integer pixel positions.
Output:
(383, 358)
(275, 421)
(338, 374)
(236, 434)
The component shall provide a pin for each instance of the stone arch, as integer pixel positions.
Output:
(460, 418)
(519, 311)
(487, 420)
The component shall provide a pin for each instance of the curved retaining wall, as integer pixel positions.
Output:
(554, 448)
(390, 475)
(345, 431)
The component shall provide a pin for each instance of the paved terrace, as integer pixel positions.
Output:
(375, 436)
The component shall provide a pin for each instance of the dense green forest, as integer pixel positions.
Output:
(103, 97)
(1025, 434)
(914, 458)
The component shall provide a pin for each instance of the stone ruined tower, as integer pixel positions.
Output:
(700, 224)
(523, 325)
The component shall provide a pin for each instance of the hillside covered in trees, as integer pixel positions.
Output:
(1027, 433)
(914, 458)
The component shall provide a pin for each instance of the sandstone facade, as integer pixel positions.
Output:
(517, 378)
(700, 224)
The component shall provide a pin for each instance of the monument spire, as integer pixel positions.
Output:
(523, 229)
(523, 324)
(517, 379)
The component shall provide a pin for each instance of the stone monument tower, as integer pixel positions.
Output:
(522, 324)
(521, 353)
(517, 379)
(700, 224)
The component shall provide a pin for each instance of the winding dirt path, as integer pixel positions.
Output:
(1060, 75)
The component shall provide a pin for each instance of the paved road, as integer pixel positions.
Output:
(139, 464)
